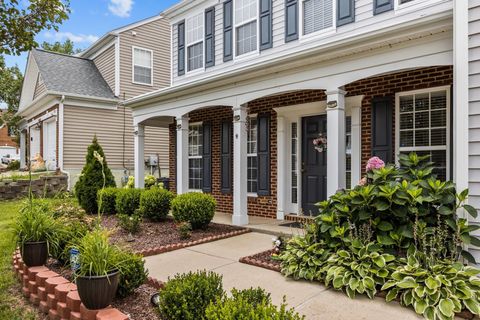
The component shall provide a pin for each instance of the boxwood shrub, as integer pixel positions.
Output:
(107, 200)
(133, 274)
(194, 207)
(128, 200)
(155, 203)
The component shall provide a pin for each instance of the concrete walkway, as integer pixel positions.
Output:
(311, 299)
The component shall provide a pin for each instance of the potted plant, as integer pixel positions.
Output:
(98, 274)
(37, 232)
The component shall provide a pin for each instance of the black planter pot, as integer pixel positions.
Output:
(97, 292)
(35, 253)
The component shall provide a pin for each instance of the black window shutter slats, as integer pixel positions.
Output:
(263, 154)
(227, 30)
(226, 157)
(345, 12)
(380, 6)
(210, 37)
(181, 48)
(291, 20)
(207, 157)
(265, 24)
(382, 124)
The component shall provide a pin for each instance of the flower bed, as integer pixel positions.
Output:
(263, 260)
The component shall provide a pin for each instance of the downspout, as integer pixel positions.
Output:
(60, 120)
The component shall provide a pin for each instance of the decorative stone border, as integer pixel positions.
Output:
(56, 296)
(176, 246)
(157, 284)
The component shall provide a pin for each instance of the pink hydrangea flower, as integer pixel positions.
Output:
(375, 163)
(363, 181)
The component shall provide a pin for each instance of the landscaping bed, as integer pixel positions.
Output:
(263, 260)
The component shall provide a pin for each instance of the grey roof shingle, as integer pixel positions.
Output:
(71, 75)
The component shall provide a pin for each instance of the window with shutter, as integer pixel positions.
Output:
(194, 42)
(181, 48)
(195, 156)
(210, 37)
(291, 20)
(252, 167)
(246, 15)
(317, 15)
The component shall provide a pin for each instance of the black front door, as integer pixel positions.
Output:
(314, 164)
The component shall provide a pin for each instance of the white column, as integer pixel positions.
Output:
(181, 178)
(281, 169)
(356, 147)
(240, 214)
(336, 141)
(139, 146)
(23, 147)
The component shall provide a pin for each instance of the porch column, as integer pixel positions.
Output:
(181, 178)
(356, 147)
(281, 168)
(139, 146)
(23, 146)
(336, 141)
(240, 214)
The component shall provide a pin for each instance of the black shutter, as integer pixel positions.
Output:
(207, 157)
(226, 157)
(265, 24)
(210, 37)
(382, 124)
(380, 6)
(263, 154)
(345, 12)
(291, 20)
(181, 48)
(228, 30)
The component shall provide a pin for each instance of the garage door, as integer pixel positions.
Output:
(50, 144)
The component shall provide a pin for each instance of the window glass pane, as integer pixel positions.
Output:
(422, 101)
(439, 100)
(195, 137)
(439, 137)
(422, 138)
(245, 10)
(195, 169)
(195, 174)
(194, 29)
(406, 103)
(252, 174)
(195, 56)
(247, 38)
(348, 164)
(317, 15)
(252, 136)
(438, 118)
(142, 75)
(422, 119)
(142, 66)
(406, 120)
(406, 139)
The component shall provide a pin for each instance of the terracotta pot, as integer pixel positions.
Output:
(97, 292)
(35, 253)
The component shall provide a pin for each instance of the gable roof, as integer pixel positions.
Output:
(71, 75)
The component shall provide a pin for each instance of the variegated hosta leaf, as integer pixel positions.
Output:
(446, 307)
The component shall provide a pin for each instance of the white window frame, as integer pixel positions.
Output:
(429, 148)
(187, 44)
(190, 157)
(413, 5)
(320, 33)
(133, 66)
(251, 155)
(235, 26)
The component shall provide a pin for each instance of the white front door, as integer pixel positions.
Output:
(34, 142)
(50, 144)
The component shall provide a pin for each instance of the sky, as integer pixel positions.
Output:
(90, 19)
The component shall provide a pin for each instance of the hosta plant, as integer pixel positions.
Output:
(436, 291)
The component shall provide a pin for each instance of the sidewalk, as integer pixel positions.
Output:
(309, 298)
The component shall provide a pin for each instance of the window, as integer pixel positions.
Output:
(405, 1)
(422, 126)
(317, 15)
(348, 147)
(142, 66)
(195, 161)
(246, 12)
(252, 166)
(194, 30)
(294, 173)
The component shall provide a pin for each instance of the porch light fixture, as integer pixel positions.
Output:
(179, 127)
(135, 132)
(236, 118)
(332, 104)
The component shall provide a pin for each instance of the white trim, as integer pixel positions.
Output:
(320, 33)
(252, 154)
(60, 120)
(200, 12)
(102, 50)
(194, 157)
(117, 67)
(133, 66)
(44, 118)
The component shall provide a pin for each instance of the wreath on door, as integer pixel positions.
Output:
(320, 143)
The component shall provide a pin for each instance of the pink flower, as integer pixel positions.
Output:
(375, 163)
(363, 181)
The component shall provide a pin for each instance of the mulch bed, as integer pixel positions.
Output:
(263, 260)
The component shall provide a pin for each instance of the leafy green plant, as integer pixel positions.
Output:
(133, 274)
(150, 181)
(13, 165)
(185, 230)
(187, 296)
(194, 207)
(130, 223)
(128, 201)
(107, 200)
(155, 203)
(254, 296)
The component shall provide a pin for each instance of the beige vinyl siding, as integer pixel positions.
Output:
(40, 88)
(81, 124)
(153, 36)
(105, 63)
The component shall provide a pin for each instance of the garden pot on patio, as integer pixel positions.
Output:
(97, 292)
(35, 253)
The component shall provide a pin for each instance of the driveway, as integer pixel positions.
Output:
(312, 299)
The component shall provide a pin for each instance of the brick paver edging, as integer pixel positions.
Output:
(181, 245)
(465, 314)
(56, 296)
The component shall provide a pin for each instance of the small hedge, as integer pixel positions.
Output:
(194, 207)
(13, 165)
(133, 274)
(187, 296)
(128, 200)
(155, 203)
(107, 200)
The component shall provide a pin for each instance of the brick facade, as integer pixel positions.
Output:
(381, 86)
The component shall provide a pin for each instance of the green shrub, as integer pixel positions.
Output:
(107, 200)
(185, 230)
(150, 181)
(186, 296)
(92, 178)
(128, 201)
(194, 207)
(155, 203)
(133, 274)
(253, 296)
(13, 165)
(130, 223)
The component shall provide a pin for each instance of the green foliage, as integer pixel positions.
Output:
(194, 207)
(11, 80)
(186, 296)
(133, 274)
(185, 230)
(66, 47)
(106, 200)
(155, 203)
(128, 201)
(13, 165)
(254, 296)
(150, 181)
(95, 176)
(130, 223)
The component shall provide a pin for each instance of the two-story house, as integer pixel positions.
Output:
(66, 100)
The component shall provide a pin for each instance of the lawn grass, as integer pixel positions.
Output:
(12, 304)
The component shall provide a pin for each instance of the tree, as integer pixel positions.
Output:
(66, 47)
(92, 178)
(11, 80)
(19, 26)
